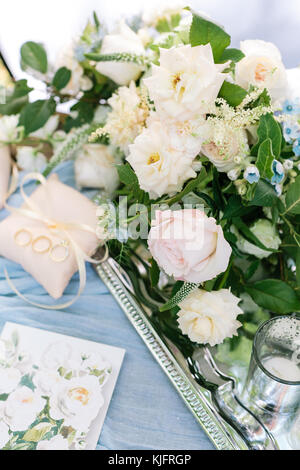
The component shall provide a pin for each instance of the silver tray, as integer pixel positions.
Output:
(223, 432)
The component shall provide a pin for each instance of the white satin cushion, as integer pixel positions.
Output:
(61, 203)
(5, 168)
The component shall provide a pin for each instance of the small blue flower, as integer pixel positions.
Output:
(252, 174)
(291, 107)
(80, 50)
(278, 171)
(296, 147)
(291, 131)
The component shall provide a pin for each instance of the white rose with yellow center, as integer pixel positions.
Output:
(123, 39)
(95, 167)
(262, 66)
(186, 82)
(22, 407)
(77, 401)
(161, 167)
(209, 317)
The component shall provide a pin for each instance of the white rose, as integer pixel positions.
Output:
(127, 117)
(78, 80)
(46, 379)
(56, 443)
(223, 152)
(5, 169)
(152, 15)
(9, 128)
(95, 168)
(186, 82)
(209, 317)
(77, 401)
(21, 408)
(9, 379)
(123, 39)
(57, 354)
(4, 434)
(30, 160)
(152, 157)
(188, 245)
(262, 66)
(266, 233)
(48, 129)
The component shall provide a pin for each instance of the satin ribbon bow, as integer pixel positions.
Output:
(33, 211)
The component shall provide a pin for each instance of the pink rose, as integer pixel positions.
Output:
(188, 245)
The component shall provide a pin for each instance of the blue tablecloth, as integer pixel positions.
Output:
(145, 411)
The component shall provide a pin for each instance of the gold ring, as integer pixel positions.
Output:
(56, 259)
(27, 241)
(41, 250)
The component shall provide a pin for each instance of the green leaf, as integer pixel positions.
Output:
(293, 198)
(205, 32)
(154, 273)
(235, 208)
(265, 195)
(61, 78)
(85, 115)
(233, 94)
(235, 55)
(37, 433)
(4, 396)
(268, 128)
(33, 55)
(274, 295)
(183, 292)
(265, 159)
(127, 175)
(298, 267)
(190, 186)
(35, 115)
(16, 100)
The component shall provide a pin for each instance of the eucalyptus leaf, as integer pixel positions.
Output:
(35, 115)
(33, 55)
(16, 100)
(61, 78)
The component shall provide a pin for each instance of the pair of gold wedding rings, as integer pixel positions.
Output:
(43, 244)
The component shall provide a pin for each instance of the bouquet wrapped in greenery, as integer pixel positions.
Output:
(196, 148)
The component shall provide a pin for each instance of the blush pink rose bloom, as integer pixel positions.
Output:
(188, 245)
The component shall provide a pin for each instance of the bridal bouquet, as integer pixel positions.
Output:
(195, 146)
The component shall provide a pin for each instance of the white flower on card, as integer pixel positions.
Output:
(56, 443)
(4, 434)
(77, 401)
(9, 379)
(57, 354)
(186, 82)
(46, 379)
(22, 407)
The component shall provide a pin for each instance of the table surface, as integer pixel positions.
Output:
(145, 411)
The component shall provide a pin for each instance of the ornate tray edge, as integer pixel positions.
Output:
(219, 432)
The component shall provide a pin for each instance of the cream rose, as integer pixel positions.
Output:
(188, 245)
(262, 66)
(95, 168)
(30, 160)
(209, 317)
(186, 82)
(123, 39)
(266, 233)
(164, 11)
(159, 163)
(226, 152)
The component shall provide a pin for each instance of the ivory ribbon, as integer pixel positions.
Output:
(6, 164)
(32, 211)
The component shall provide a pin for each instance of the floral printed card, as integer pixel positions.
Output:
(54, 389)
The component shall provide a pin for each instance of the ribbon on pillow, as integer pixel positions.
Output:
(33, 212)
(7, 167)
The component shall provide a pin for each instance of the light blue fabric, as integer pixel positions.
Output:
(145, 411)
